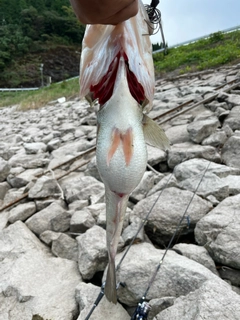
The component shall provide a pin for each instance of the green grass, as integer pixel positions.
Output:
(218, 50)
(213, 52)
(36, 99)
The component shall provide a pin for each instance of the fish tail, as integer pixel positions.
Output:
(110, 286)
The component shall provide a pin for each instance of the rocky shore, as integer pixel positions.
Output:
(52, 220)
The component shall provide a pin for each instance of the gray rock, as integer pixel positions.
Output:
(3, 219)
(230, 274)
(28, 175)
(158, 305)
(218, 231)
(233, 183)
(81, 221)
(178, 275)
(231, 152)
(168, 211)
(86, 294)
(185, 151)
(31, 161)
(65, 247)
(35, 147)
(233, 119)
(54, 144)
(4, 187)
(92, 252)
(178, 134)
(166, 182)
(133, 231)
(4, 169)
(92, 169)
(43, 188)
(199, 130)
(217, 139)
(189, 169)
(212, 301)
(155, 155)
(198, 254)
(83, 188)
(48, 236)
(54, 218)
(210, 184)
(233, 99)
(32, 281)
(144, 186)
(78, 205)
(22, 212)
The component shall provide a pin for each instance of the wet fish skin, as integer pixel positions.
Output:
(121, 161)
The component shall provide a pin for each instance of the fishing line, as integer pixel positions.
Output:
(143, 223)
(101, 294)
(154, 16)
(143, 307)
(142, 301)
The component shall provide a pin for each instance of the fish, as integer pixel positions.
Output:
(116, 69)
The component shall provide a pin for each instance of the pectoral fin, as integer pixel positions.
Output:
(154, 134)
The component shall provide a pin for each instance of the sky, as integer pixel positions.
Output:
(184, 20)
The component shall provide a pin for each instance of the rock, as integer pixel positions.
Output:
(3, 219)
(83, 188)
(217, 139)
(233, 119)
(185, 151)
(86, 295)
(48, 236)
(92, 169)
(44, 187)
(31, 161)
(233, 99)
(166, 182)
(196, 253)
(53, 144)
(54, 218)
(45, 286)
(168, 211)
(231, 152)
(155, 155)
(233, 183)
(178, 134)
(81, 221)
(4, 169)
(28, 175)
(230, 274)
(199, 130)
(92, 252)
(144, 186)
(218, 231)
(4, 187)
(22, 212)
(190, 168)
(36, 147)
(132, 231)
(212, 301)
(65, 247)
(206, 184)
(157, 305)
(178, 275)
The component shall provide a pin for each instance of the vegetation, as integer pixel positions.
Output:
(29, 28)
(213, 52)
(36, 99)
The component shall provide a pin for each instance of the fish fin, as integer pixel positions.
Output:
(110, 286)
(154, 134)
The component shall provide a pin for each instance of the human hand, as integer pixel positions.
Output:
(104, 11)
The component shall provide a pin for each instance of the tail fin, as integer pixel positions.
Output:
(110, 286)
